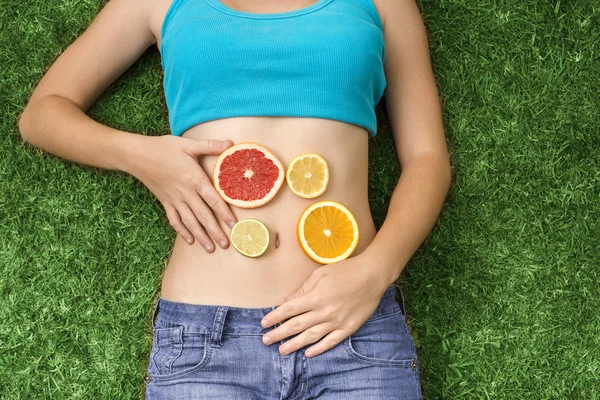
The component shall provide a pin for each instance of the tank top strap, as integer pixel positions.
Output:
(171, 11)
(370, 6)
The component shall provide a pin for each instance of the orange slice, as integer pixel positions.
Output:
(327, 232)
(308, 175)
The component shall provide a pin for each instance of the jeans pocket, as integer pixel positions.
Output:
(383, 341)
(176, 352)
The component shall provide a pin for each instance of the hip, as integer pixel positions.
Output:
(216, 351)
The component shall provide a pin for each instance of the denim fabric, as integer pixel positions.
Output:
(216, 352)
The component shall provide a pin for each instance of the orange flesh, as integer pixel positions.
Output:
(330, 220)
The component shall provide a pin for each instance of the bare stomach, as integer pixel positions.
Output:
(227, 277)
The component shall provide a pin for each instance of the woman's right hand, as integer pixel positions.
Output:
(168, 166)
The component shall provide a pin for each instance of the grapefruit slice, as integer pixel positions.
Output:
(327, 232)
(248, 175)
(250, 237)
(308, 175)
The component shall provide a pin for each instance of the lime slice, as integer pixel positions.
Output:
(250, 237)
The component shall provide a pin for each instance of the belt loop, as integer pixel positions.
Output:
(401, 298)
(154, 312)
(218, 324)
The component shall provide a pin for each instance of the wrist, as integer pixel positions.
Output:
(126, 149)
(384, 268)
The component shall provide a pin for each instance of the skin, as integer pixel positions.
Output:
(324, 303)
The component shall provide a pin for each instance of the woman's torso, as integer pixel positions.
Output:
(226, 277)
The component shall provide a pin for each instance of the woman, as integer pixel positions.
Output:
(295, 76)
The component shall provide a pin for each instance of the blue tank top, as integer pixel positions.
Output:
(321, 61)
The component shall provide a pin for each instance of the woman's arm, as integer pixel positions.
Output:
(55, 118)
(414, 111)
(338, 298)
(55, 121)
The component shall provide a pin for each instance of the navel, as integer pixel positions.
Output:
(277, 240)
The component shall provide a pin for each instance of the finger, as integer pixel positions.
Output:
(310, 335)
(197, 147)
(308, 285)
(292, 327)
(191, 222)
(215, 202)
(288, 310)
(207, 219)
(175, 221)
(328, 342)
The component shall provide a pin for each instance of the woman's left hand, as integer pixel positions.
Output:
(331, 305)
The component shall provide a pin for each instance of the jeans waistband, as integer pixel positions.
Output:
(222, 319)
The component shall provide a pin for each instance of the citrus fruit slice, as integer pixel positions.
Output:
(308, 175)
(327, 232)
(248, 175)
(250, 237)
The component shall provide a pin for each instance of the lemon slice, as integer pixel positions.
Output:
(308, 175)
(327, 232)
(250, 237)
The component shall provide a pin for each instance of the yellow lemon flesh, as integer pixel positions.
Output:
(308, 175)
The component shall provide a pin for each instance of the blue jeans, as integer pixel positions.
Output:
(216, 352)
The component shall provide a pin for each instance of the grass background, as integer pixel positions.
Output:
(502, 297)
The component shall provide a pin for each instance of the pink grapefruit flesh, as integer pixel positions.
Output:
(248, 175)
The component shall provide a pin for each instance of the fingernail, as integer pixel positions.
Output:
(208, 247)
(223, 243)
(264, 322)
(266, 340)
(188, 240)
(231, 224)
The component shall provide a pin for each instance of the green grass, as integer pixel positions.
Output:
(502, 297)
